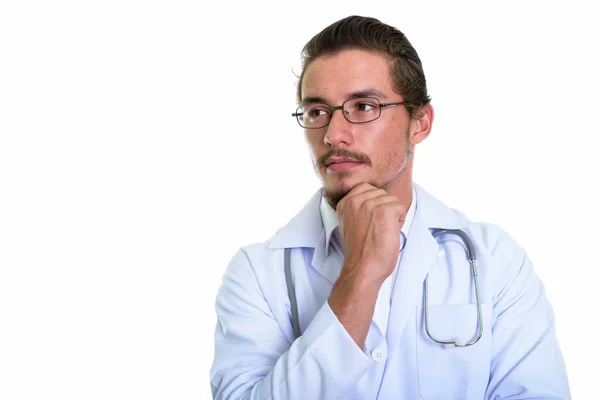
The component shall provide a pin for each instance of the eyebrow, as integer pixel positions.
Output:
(353, 95)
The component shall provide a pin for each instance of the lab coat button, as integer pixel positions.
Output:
(378, 354)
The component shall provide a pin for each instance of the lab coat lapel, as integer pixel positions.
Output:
(306, 230)
(418, 256)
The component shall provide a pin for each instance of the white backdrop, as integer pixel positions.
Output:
(143, 142)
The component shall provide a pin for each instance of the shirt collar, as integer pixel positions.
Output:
(331, 223)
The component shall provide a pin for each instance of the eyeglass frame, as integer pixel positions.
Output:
(332, 109)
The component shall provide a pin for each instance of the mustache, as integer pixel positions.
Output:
(322, 161)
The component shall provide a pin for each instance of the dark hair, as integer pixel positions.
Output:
(370, 34)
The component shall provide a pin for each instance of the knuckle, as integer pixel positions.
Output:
(352, 202)
(380, 211)
(370, 205)
(360, 187)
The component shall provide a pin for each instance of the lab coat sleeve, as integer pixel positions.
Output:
(526, 359)
(253, 357)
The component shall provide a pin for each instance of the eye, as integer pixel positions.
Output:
(365, 106)
(316, 111)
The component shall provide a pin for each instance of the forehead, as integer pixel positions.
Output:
(335, 77)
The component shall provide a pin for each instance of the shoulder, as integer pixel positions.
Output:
(490, 235)
(493, 239)
(255, 256)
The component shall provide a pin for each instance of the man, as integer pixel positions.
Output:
(374, 306)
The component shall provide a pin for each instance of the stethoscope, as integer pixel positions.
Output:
(447, 343)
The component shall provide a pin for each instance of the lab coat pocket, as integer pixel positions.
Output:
(454, 372)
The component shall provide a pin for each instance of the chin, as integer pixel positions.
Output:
(339, 188)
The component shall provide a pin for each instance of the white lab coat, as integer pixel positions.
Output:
(517, 357)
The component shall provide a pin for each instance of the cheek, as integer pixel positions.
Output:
(390, 148)
(392, 152)
(314, 140)
(388, 159)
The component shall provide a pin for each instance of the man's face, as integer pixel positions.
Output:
(381, 147)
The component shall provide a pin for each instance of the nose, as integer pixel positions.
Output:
(339, 131)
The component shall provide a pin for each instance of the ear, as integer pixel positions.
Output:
(421, 123)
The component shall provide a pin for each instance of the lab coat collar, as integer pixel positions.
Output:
(306, 228)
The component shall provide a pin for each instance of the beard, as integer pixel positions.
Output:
(335, 195)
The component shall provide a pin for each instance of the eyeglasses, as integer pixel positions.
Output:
(356, 111)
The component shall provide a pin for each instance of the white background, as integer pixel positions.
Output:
(143, 142)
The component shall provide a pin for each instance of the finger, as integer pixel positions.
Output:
(358, 197)
(361, 187)
(391, 204)
(358, 189)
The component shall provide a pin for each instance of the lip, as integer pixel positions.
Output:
(335, 160)
(342, 165)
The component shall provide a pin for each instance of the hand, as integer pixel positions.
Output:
(370, 223)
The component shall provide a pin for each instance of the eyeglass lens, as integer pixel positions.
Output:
(360, 110)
